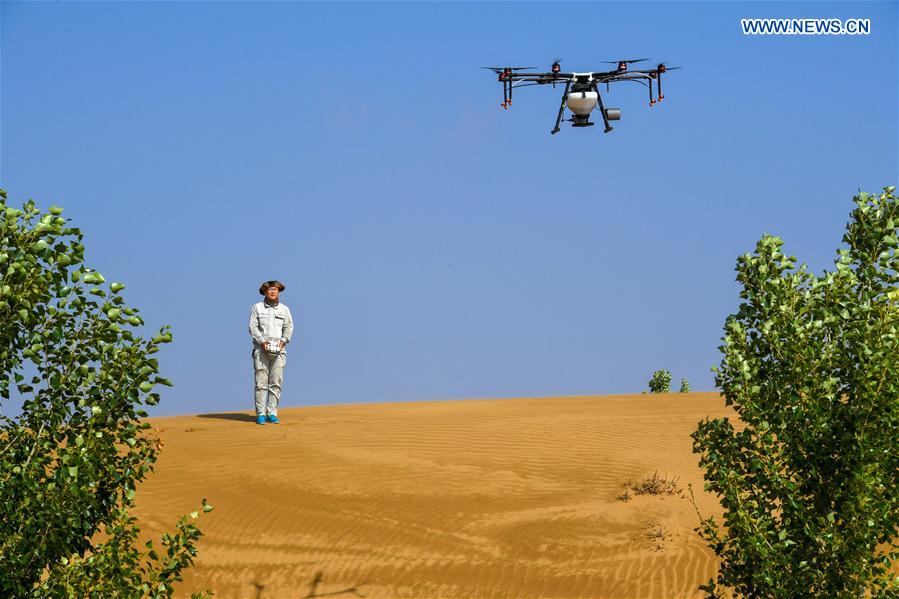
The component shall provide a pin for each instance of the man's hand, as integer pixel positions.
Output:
(265, 346)
(281, 344)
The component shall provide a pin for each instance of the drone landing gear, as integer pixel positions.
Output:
(602, 110)
(561, 108)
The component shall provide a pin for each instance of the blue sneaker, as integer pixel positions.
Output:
(273, 419)
(260, 420)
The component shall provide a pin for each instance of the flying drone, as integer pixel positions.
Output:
(581, 94)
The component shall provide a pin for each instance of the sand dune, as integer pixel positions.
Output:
(512, 498)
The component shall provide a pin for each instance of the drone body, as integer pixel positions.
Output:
(581, 95)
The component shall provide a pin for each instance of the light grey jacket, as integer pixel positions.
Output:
(270, 322)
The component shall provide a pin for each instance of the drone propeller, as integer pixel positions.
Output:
(622, 64)
(628, 61)
(662, 68)
(501, 69)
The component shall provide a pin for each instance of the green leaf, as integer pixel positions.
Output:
(94, 278)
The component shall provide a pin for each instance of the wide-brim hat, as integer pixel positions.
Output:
(267, 284)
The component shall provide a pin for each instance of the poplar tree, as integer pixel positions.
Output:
(70, 352)
(809, 477)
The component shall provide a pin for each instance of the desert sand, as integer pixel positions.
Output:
(512, 498)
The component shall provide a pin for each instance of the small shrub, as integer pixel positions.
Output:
(656, 533)
(660, 382)
(684, 386)
(656, 484)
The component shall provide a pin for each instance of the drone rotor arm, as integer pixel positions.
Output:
(637, 77)
(628, 76)
(512, 79)
(604, 74)
(535, 76)
(634, 80)
(529, 83)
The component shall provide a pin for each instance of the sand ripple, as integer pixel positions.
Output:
(485, 499)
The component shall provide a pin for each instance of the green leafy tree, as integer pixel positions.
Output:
(808, 480)
(684, 386)
(660, 382)
(70, 461)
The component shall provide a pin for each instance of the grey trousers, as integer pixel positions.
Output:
(269, 370)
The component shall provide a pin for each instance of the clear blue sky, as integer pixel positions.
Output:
(433, 245)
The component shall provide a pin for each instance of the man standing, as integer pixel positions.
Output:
(271, 326)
